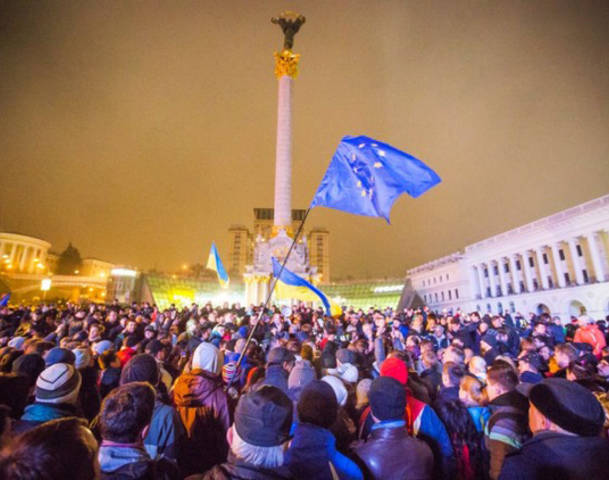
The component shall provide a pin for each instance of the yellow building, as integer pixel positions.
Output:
(241, 250)
(319, 252)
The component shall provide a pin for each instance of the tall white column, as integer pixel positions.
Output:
(514, 272)
(479, 270)
(599, 272)
(500, 268)
(473, 279)
(575, 260)
(13, 254)
(527, 271)
(543, 271)
(491, 279)
(283, 155)
(558, 264)
(23, 258)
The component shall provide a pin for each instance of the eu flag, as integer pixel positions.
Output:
(366, 176)
(289, 285)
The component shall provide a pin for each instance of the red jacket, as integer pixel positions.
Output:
(591, 335)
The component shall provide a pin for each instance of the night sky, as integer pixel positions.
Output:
(142, 130)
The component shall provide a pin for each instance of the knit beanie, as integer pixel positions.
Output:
(59, 383)
(395, 368)
(141, 368)
(317, 404)
(361, 392)
(101, 346)
(59, 355)
(387, 398)
(339, 389)
(568, 405)
(208, 357)
(82, 358)
(301, 375)
(230, 372)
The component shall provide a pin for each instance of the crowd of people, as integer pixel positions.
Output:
(110, 391)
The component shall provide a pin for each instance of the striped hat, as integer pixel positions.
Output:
(59, 383)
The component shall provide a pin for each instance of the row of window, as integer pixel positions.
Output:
(428, 282)
(435, 298)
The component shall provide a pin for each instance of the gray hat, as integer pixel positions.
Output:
(278, 355)
(59, 383)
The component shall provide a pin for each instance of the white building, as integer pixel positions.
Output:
(558, 264)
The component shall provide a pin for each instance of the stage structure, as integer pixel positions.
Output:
(257, 276)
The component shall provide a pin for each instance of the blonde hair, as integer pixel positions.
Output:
(474, 388)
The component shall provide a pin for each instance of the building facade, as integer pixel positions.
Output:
(23, 254)
(558, 264)
(319, 252)
(240, 250)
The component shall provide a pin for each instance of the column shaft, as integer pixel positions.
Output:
(543, 271)
(283, 155)
(579, 277)
(527, 271)
(599, 272)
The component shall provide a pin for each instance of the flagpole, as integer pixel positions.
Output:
(269, 295)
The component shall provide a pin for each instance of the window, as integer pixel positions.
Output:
(488, 307)
(579, 250)
(486, 272)
(531, 262)
(447, 276)
(499, 294)
(506, 268)
(488, 291)
(499, 307)
(545, 258)
(561, 254)
(425, 298)
(512, 307)
(550, 282)
(510, 289)
(567, 279)
(442, 295)
(518, 267)
(457, 293)
(535, 284)
(585, 273)
(450, 295)
(436, 296)
(477, 308)
(521, 286)
(495, 270)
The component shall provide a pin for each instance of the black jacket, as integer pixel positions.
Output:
(557, 456)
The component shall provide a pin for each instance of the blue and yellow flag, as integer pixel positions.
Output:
(289, 285)
(214, 263)
(366, 176)
(4, 299)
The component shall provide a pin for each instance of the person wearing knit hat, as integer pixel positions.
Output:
(313, 446)
(566, 420)
(59, 355)
(82, 358)
(258, 437)
(395, 368)
(166, 430)
(56, 396)
(338, 387)
(390, 452)
(301, 375)
(101, 346)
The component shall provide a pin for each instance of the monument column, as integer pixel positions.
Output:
(286, 70)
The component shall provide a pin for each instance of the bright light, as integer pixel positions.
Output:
(76, 272)
(184, 267)
(45, 285)
(123, 272)
(388, 288)
(5, 256)
(102, 275)
(40, 265)
(36, 260)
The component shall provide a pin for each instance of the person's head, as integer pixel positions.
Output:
(395, 367)
(260, 433)
(453, 354)
(539, 329)
(584, 320)
(339, 389)
(559, 405)
(471, 391)
(452, 374)
(126, 413)
(130, 326)
(564, 354)
(141, 368)
(501, 378)
(529, 362)
(497, 322)
(387, 399)
(59, 355)
(429, 359)
(63, 448)
(361, 393)
(317, 404)
(281, 356)
(477, 367)
(59, 383)
(208, 357)
(108, 359)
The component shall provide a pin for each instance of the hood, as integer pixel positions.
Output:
(207, 357)
(193, 389)
(43, 412)
(131, 461)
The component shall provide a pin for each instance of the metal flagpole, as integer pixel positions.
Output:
(268, 297)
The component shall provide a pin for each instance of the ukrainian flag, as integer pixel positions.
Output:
(214, 263)
(289, 285)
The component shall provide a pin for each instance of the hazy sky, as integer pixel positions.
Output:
(141, 130)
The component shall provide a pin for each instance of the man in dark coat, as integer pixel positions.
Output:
(566, 420)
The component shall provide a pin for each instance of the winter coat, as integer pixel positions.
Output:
(507, 429)
(235, 469)
(202, 405)
(390, 452)
(591, 335)
(166, 433)
(480, 416)
(312, 450)
(558, 456)
(133, 463)
(39, 413)
(277, 376)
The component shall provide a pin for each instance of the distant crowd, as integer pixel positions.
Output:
(125, 392)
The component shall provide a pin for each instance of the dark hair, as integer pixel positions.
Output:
(63, 448)
(126, 411)
(106, 358)
(502, 373)
(463, 433)
(454, 372)
(131, 340)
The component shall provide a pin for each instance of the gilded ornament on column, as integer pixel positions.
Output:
(286, 63)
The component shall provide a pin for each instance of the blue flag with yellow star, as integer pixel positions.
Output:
(366, 176)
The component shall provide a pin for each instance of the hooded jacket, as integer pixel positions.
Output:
(312, 450)
(38, 413)
(132, 463)
(202, 406)
(591, 335)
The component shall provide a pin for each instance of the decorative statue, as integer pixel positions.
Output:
(290, 23)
